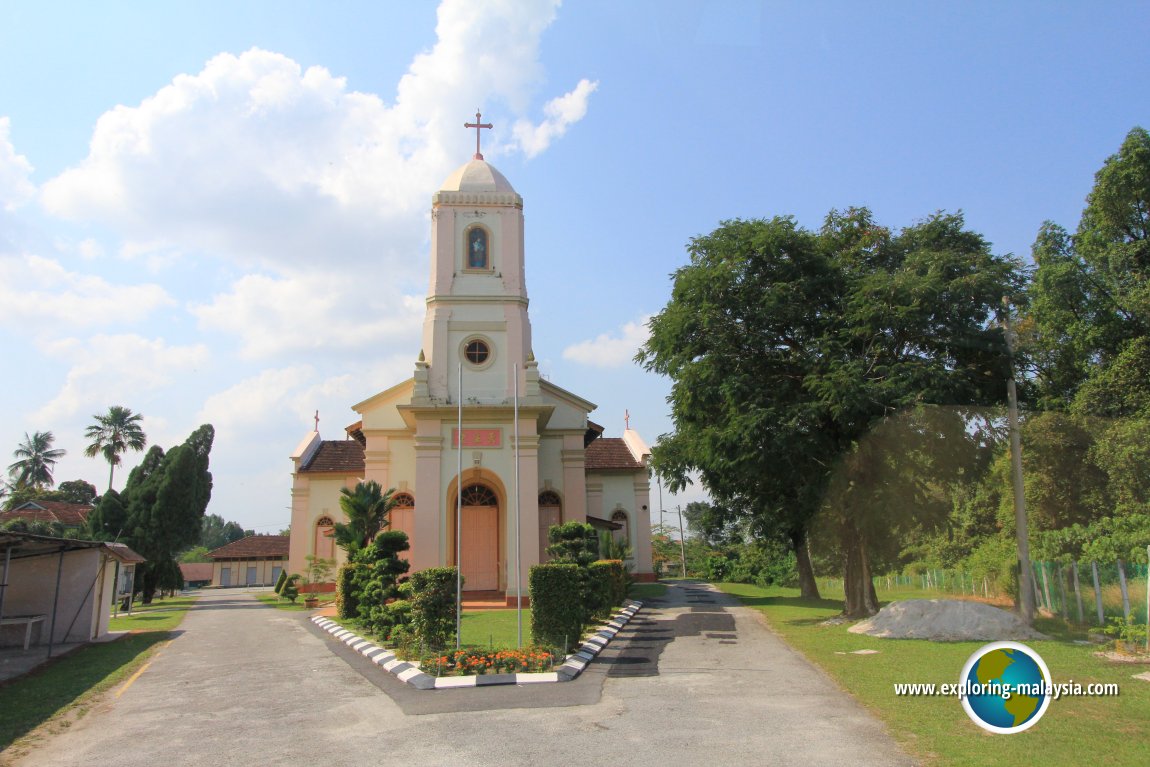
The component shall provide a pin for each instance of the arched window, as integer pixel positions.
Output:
(402, 517)
(623, 534)
(325, 538)
(479, 495)
(478, 255)
(550, 514)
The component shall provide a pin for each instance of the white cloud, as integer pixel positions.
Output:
(611, 350)
(270, 396)
(263, 162)
(15, 172)
(313, 313)
(113, 368)
(561, 112)
(33, 286)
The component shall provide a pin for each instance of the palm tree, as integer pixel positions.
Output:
(366, 506)
(35, 459)
(113, 434)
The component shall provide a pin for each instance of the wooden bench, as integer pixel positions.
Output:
(27, 620)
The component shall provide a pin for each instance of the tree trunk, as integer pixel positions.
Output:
(808, 587)
(861, 599)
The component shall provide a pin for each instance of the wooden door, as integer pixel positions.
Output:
(480, 565)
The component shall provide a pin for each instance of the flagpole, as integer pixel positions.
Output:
(518, 548)
(459, 517)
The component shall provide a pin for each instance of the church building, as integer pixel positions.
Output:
(477, 330)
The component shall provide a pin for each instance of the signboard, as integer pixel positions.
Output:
(478, 438)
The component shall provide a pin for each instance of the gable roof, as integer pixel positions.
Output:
(253, 546)
(196, 571)
(343, 455)
(67, 514)
(610, 454)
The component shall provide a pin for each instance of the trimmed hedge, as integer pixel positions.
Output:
(433, 606)
(557, 609)
(606, 588)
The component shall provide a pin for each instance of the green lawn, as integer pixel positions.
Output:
(494, 628)
(66, 687)
(160, 615)
(1073, 731)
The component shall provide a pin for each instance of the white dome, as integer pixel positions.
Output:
(477, 176)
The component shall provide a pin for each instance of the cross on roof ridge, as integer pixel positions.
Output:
(478, 124)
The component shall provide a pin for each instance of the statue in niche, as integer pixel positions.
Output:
(477, 248)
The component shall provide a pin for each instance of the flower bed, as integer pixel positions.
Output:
(465, 662)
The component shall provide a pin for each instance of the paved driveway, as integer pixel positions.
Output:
(696, 680)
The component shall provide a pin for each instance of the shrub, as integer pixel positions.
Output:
(573, 543)
(557, 608)
(346, 595)
(433, 606)
(376, 581)
(291, 587)
(280, 581)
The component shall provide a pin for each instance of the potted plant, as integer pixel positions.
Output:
(318, 571)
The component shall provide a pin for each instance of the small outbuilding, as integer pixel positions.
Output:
(255, 560)
(196, 574)
(58, 590)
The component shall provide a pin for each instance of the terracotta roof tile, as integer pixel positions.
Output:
(196, 571)
(610, 454)
(67, 514)
(344, 456)
(253, 546)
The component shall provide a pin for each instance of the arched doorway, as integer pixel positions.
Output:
(479, 559)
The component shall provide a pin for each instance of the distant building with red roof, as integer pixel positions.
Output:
(255, 560)
(70, 516)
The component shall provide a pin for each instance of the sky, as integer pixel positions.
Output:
(219, 212)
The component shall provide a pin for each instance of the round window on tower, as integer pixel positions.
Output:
(476, 351)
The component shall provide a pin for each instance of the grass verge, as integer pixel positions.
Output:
(52, 696)
(160, 615)
(1075, 730)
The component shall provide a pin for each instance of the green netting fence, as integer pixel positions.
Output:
(1088, 593)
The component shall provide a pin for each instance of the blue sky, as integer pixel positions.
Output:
(218, 211)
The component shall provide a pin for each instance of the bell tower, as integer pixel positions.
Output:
(477, 299)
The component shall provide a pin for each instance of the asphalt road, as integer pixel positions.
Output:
(693, 680)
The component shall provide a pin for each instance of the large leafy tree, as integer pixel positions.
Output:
(219, 532)
(113, 434)
(365, 506)
(165, 500)
(1089, 318)
(787, 347)
(35, 458)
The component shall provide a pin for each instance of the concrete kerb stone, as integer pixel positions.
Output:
(410, 674)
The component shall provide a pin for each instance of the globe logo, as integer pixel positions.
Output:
(1006, 687)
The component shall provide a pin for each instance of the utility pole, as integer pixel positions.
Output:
(1026, 595)
(682, 541)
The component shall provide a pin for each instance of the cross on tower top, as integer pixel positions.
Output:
(478, 125)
